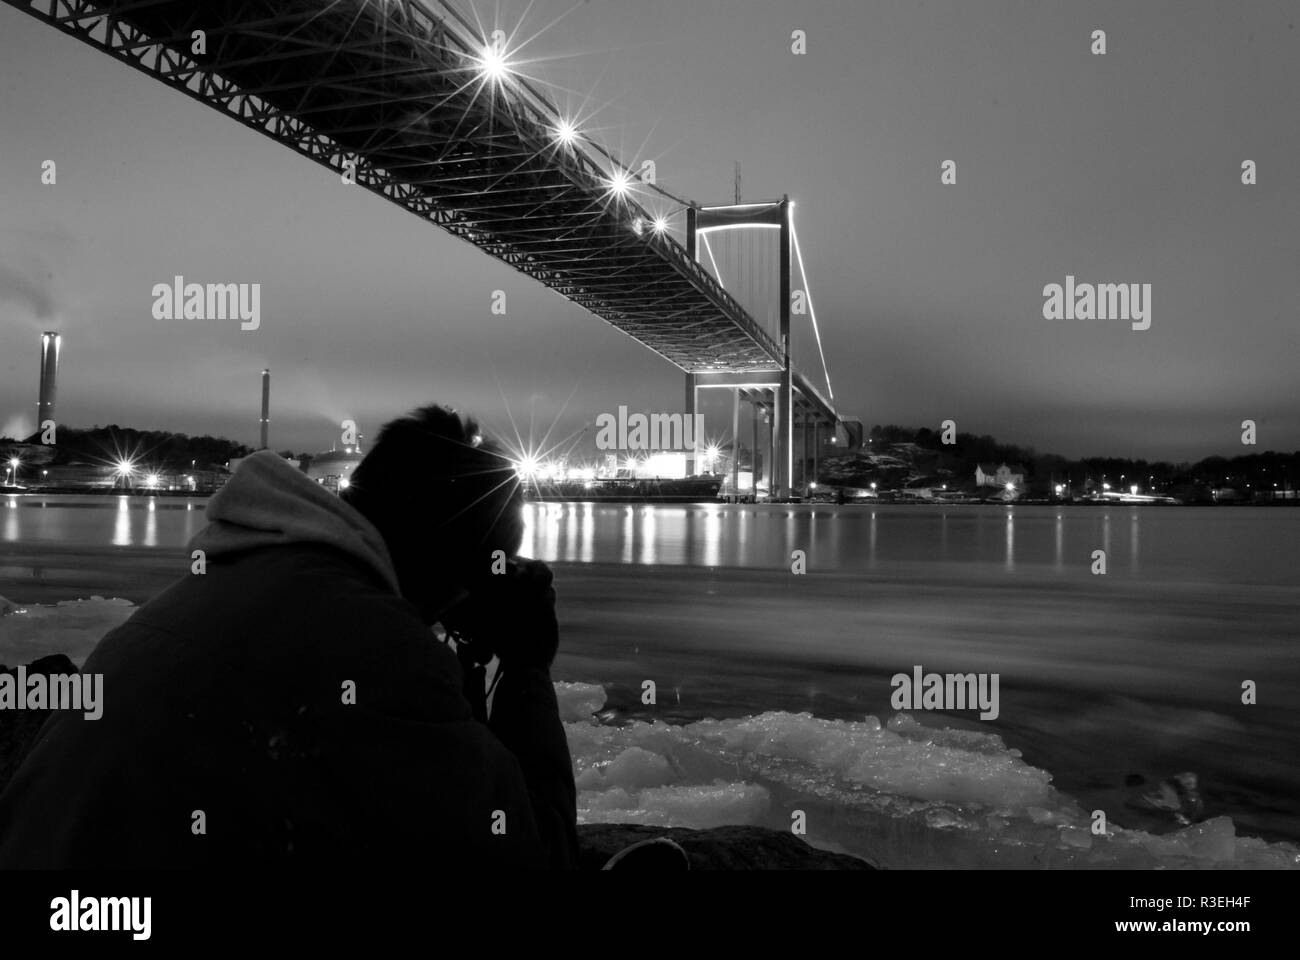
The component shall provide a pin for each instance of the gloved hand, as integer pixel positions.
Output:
(511, 615)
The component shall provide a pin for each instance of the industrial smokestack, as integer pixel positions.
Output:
(266, 406)
(50, 345)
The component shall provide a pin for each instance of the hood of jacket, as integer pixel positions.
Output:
(267, 502)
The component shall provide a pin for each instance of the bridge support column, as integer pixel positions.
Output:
(783, 474)
(802, 424)
(692, 398)
(735, 445)
(771, 450)
(753, 452)
(816, 447)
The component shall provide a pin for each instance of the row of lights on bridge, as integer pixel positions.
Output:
(494, 66)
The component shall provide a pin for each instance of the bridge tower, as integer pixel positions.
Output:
(775, 213)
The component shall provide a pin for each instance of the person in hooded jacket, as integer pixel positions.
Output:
(286, 701)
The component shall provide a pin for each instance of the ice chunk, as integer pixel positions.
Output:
(633, 769)
(72, 627)
(578, 701)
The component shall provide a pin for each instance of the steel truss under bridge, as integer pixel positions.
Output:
(394, 87)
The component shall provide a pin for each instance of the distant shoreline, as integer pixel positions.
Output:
(690, 501)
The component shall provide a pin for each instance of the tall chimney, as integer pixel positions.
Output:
(266, 406)
(50, 344)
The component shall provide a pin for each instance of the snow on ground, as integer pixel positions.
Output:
(898, 793)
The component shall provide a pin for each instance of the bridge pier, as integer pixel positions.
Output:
(784, 476)
(692, 399)
(735, 445)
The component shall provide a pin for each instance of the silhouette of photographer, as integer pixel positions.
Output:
(287, 702)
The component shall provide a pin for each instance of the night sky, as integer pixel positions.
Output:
(1123, 168)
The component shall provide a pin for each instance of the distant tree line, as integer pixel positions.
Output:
(1255, 471)
(160, 449)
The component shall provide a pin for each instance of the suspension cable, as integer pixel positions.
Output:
(807, 292)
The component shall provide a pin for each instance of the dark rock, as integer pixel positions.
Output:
(720, 848)
(18, 728)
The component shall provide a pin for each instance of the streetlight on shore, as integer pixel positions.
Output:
(124, 469)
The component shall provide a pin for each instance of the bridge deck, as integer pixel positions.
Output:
(395, 87)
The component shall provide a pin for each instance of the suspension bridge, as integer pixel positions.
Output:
(415, 102)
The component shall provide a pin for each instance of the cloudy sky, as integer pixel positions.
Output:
(1123, 168)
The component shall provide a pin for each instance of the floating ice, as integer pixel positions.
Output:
(900, 794)
(72, 627)
(578, 701)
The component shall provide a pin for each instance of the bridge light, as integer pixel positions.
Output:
(660, 224)
(620, 183)
(527, 467)
(566, 133)
(492, 64)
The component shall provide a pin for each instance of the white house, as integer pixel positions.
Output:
(987, 475)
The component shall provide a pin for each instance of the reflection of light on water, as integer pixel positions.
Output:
(193, 520)
(551, 532)
(151, 524)
(122, 524)
(1105, 535)
(587, 534)
(712, 537)
(742, 538)
(1060, 542)
(1133, 538)
(568, 536)
(526, 547)
(11, 519)
(1011, 540)
(648, 543)
(678, 531)
(629, 534)
(943, 536)
(871, 543)
(542, 530)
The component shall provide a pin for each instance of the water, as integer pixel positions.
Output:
(775, 686)
(1143, 544)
